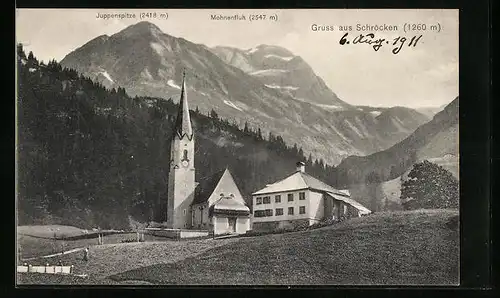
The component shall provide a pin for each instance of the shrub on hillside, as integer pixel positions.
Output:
(429, 186)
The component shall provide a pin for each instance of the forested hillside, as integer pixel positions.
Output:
(88, 156)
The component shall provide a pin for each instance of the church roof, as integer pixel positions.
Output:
(299, 180)
(229, 204)
(183, 122)
(206, 187)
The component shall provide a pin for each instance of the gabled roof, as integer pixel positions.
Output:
(206, 187)
(350, 201)
(183, 122)
(296, 181)
(229, 204)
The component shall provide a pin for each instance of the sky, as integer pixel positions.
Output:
(425, 75)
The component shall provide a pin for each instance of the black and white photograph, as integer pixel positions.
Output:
(237, 147)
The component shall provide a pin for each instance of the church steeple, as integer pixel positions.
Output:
(181, 177)
(183, 122)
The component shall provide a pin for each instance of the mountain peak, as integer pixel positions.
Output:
(141, 28)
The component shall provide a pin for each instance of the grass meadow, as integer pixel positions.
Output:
(387, 248)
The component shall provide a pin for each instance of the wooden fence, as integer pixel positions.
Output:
(46, 269)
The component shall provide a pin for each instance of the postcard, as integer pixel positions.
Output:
(237, 147)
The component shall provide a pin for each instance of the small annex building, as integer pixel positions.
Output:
(300, 199)
(219, 206)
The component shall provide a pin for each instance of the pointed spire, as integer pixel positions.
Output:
(183, 122)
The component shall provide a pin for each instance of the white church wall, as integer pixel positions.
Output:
(242, 225)
(221, 225)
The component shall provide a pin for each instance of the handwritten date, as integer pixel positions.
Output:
(377, 43)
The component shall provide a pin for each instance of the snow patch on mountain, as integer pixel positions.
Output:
(271, 71)
(279, 57)
(375, 113)
(171, 83)
(329, 107)
(107, 76)
(398, 124)
(158, 48)
(361, 126)
(273, 86)
(146, 74)
(354, 128)
(340, 134)
(229, 103)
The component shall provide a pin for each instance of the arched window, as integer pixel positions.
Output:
(185, 155)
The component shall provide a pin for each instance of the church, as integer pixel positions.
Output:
(214, 203)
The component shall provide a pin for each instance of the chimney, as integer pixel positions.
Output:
(301, 167)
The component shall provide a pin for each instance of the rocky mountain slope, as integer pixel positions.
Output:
(436, 141)
(280, 69)
(267, 86)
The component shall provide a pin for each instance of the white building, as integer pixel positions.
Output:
(300, 199)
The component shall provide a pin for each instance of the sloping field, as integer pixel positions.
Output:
(418, 247)
(391, 248)
(32, 246)
(109, 259)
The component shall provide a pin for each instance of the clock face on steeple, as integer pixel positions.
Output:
(185, 163)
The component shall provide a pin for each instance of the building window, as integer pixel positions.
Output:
(302, 195)
(290, 197)
(279, 211)
(185, 155)
(277, 198)
(267, 200)
(290, 210)
(258, 200)
(184, 212)
(302, 210)
(259, 213)
(269, 212)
